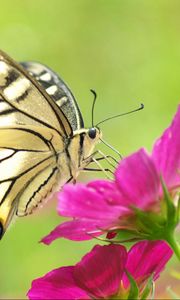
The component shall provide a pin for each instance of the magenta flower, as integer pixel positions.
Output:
(101, 273)
(136, 200)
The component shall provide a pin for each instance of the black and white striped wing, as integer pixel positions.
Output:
(24, 101)
(58, 91)
(32, 133)
(28, 170)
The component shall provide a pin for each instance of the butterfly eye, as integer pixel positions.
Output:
(92, 133)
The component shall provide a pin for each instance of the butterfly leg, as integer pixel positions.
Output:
(105, 157)
(105, 171)
(97, 170)
(108, 157)
(100, 168)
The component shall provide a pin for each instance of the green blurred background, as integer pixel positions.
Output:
(129, 52)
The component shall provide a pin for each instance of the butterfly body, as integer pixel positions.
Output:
(43, 142)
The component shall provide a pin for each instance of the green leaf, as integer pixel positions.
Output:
(134, 291)
(125, 235)
(171, 209)
(148, 288)
(150, 224)
(178, 212)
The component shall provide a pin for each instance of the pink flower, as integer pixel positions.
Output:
(102, 273)
(105, 206)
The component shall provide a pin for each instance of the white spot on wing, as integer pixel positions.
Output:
(45, 77)
(16, 88)
(61, 101)
(51, 90)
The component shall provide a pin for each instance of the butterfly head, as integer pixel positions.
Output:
(94, 133)
(91, 139)
(87, 140)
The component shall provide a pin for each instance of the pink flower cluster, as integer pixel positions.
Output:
(140, 202)
(102, 273)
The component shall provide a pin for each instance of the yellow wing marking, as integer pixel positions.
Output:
(28, 168)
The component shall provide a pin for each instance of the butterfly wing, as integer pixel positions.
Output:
(24, 101)
(32, 133)
(28, 169)
(58, 91)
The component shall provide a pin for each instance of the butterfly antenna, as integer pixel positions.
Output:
(93, 105)
(111, 147)
(120, 115)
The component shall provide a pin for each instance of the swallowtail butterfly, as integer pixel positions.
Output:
(43, 142)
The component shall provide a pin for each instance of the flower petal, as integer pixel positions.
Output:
(100, 271)
(94, 207)
(57, 284)
(137, 180)
(77, 230)
(146, 258)
(96, 200)
(166, 153)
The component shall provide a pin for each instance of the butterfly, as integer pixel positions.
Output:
(43, 141)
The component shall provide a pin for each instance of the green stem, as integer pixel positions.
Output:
(174, 245)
